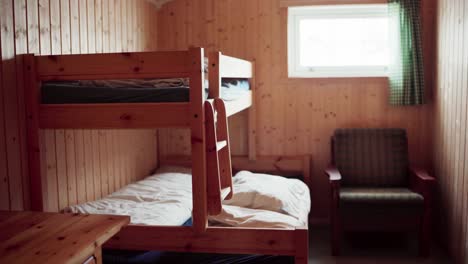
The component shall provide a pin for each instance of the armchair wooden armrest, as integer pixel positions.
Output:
(334, 177)
(422, 183)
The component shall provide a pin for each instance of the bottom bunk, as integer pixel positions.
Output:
(267, 216)
(117, 256)
(147, 257)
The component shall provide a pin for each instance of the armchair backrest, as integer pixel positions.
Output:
(371, 157)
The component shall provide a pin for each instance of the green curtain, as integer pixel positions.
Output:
(406, 69)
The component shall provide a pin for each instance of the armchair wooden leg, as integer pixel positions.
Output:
(335, 237)
(425, 235)
(336, 231)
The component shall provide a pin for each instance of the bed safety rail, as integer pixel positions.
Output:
(222, 66)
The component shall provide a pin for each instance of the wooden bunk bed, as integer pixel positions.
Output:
(210, 183)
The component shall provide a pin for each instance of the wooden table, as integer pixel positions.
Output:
(31, 237)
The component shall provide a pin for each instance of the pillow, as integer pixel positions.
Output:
(244, 217)
(272, 193)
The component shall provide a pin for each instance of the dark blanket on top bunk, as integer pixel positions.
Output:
(129, 91)
(158, 257)
(77, 93)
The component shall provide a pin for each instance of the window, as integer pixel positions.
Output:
(338, 41)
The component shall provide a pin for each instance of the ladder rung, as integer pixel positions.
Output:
(221, 144)
(225, 192)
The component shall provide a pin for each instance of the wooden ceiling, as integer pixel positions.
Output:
(159, 3)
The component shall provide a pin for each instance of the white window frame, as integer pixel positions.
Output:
(296, 14)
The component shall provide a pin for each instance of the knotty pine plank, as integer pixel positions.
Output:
(21, 47)
(103, 159)
(10, 103)
(4, 192)
(94, 153)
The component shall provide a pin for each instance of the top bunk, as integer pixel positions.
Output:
(133, 90)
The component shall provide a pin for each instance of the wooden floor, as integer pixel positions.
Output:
(396, 250)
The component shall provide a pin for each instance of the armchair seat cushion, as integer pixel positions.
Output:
(381, 196)
(378, 205)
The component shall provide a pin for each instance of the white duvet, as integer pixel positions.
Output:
(165, 199)
(162, 199)
(272, 193)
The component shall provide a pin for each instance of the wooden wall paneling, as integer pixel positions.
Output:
(102, 134)
(294, 116)
(181, 32)
(450, 127)
(111, 163)
(123, 158)
(124, 24)
(73, 162)
(96, 169)
(90, 11)
(67, 22)
(88, 165)
(141, 11)
(465, 138)
(112, 26)
(133, 28)
(439, 96)
(113, 134)
(106, 14)
(60, 148)
(127, 162)
(145, 11)
(34, 43)
(10, 100)
(457, 125)
(104, 160)
(118, 25)
(99, 25)
(4, 190)
(451, 124)
(76, 141)
(48, 150)
(125, 167)
(21, 47)
(71, 172)
(463, 170)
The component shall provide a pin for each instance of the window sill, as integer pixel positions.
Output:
(338, 77)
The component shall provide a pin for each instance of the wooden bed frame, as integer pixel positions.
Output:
(171, 64)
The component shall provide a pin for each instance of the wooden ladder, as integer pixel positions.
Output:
(218, 156)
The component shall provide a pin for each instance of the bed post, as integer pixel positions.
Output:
(214, 76)
(198, 140)
(301, 235)
(32, 129)
(252, 116)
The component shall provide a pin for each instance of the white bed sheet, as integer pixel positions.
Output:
(165, 199)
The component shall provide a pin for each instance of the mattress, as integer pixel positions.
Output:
(165, 199)
(131, 91)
